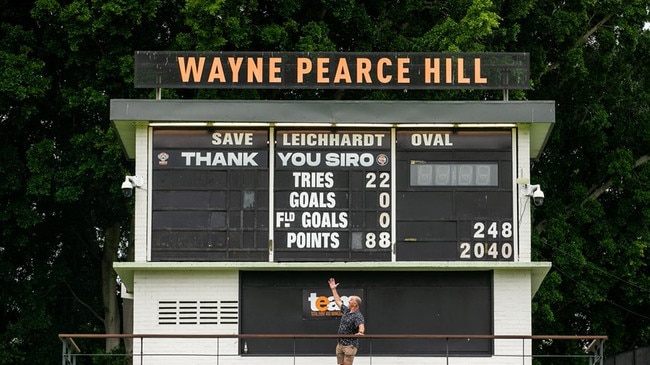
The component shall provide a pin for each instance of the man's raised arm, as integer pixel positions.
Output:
(337, 297)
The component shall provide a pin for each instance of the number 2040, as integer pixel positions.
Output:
(486, 250)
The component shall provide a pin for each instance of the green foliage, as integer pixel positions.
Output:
(114, 357)
(315, 38)
(595, 225)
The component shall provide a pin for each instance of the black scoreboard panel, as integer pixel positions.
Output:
(344, 194)
(332, 195)
(454, 195)
(393, 303)
(210, 195)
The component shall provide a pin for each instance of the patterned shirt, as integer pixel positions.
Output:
(350, 323)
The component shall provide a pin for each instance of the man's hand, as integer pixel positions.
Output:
(335, 294)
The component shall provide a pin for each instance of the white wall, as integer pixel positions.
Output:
(193, 289)
(522, 212)
(512, 310)
(141, 195)
(206, 298)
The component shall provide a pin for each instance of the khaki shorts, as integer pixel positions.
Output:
(345, 354)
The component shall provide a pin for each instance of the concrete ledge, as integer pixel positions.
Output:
(538, 270)
(126, 114)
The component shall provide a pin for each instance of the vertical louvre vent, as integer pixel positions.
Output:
(198, 312)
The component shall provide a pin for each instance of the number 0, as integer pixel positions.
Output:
(384, 200)
(506, 250)
(384, 220)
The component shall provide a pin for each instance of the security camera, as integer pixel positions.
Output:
(127, 189)
(535, 192)
(129, 183)
(538, 197)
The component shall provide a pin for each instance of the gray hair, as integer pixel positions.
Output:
(356, 299)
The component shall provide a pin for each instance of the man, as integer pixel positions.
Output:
(352, 323)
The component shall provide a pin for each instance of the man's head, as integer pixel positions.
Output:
(354, 302)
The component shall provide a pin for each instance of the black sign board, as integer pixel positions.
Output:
(210, 195)
(345, 194)
(337, 70)
(393, 303)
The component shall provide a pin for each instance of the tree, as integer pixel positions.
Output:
(65, 220)
(65, 215)
(594, 224)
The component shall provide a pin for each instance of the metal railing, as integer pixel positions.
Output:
(593, 346)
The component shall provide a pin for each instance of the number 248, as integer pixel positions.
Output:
(492, 229)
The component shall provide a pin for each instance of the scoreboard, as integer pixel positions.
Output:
(332, 194)
(455, 195)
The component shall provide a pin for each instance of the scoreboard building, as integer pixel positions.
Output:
(244, 210)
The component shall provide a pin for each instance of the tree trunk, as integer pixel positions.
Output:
(127, 324)
(109, 287)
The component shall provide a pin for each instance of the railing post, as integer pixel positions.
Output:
(602, 350)
(598, 352)
(67, 357)
(63, 353)
(597, 348)
(447, 349)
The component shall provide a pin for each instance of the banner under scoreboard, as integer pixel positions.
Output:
(332, 194)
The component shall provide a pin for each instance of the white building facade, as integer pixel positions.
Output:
(248, 207)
